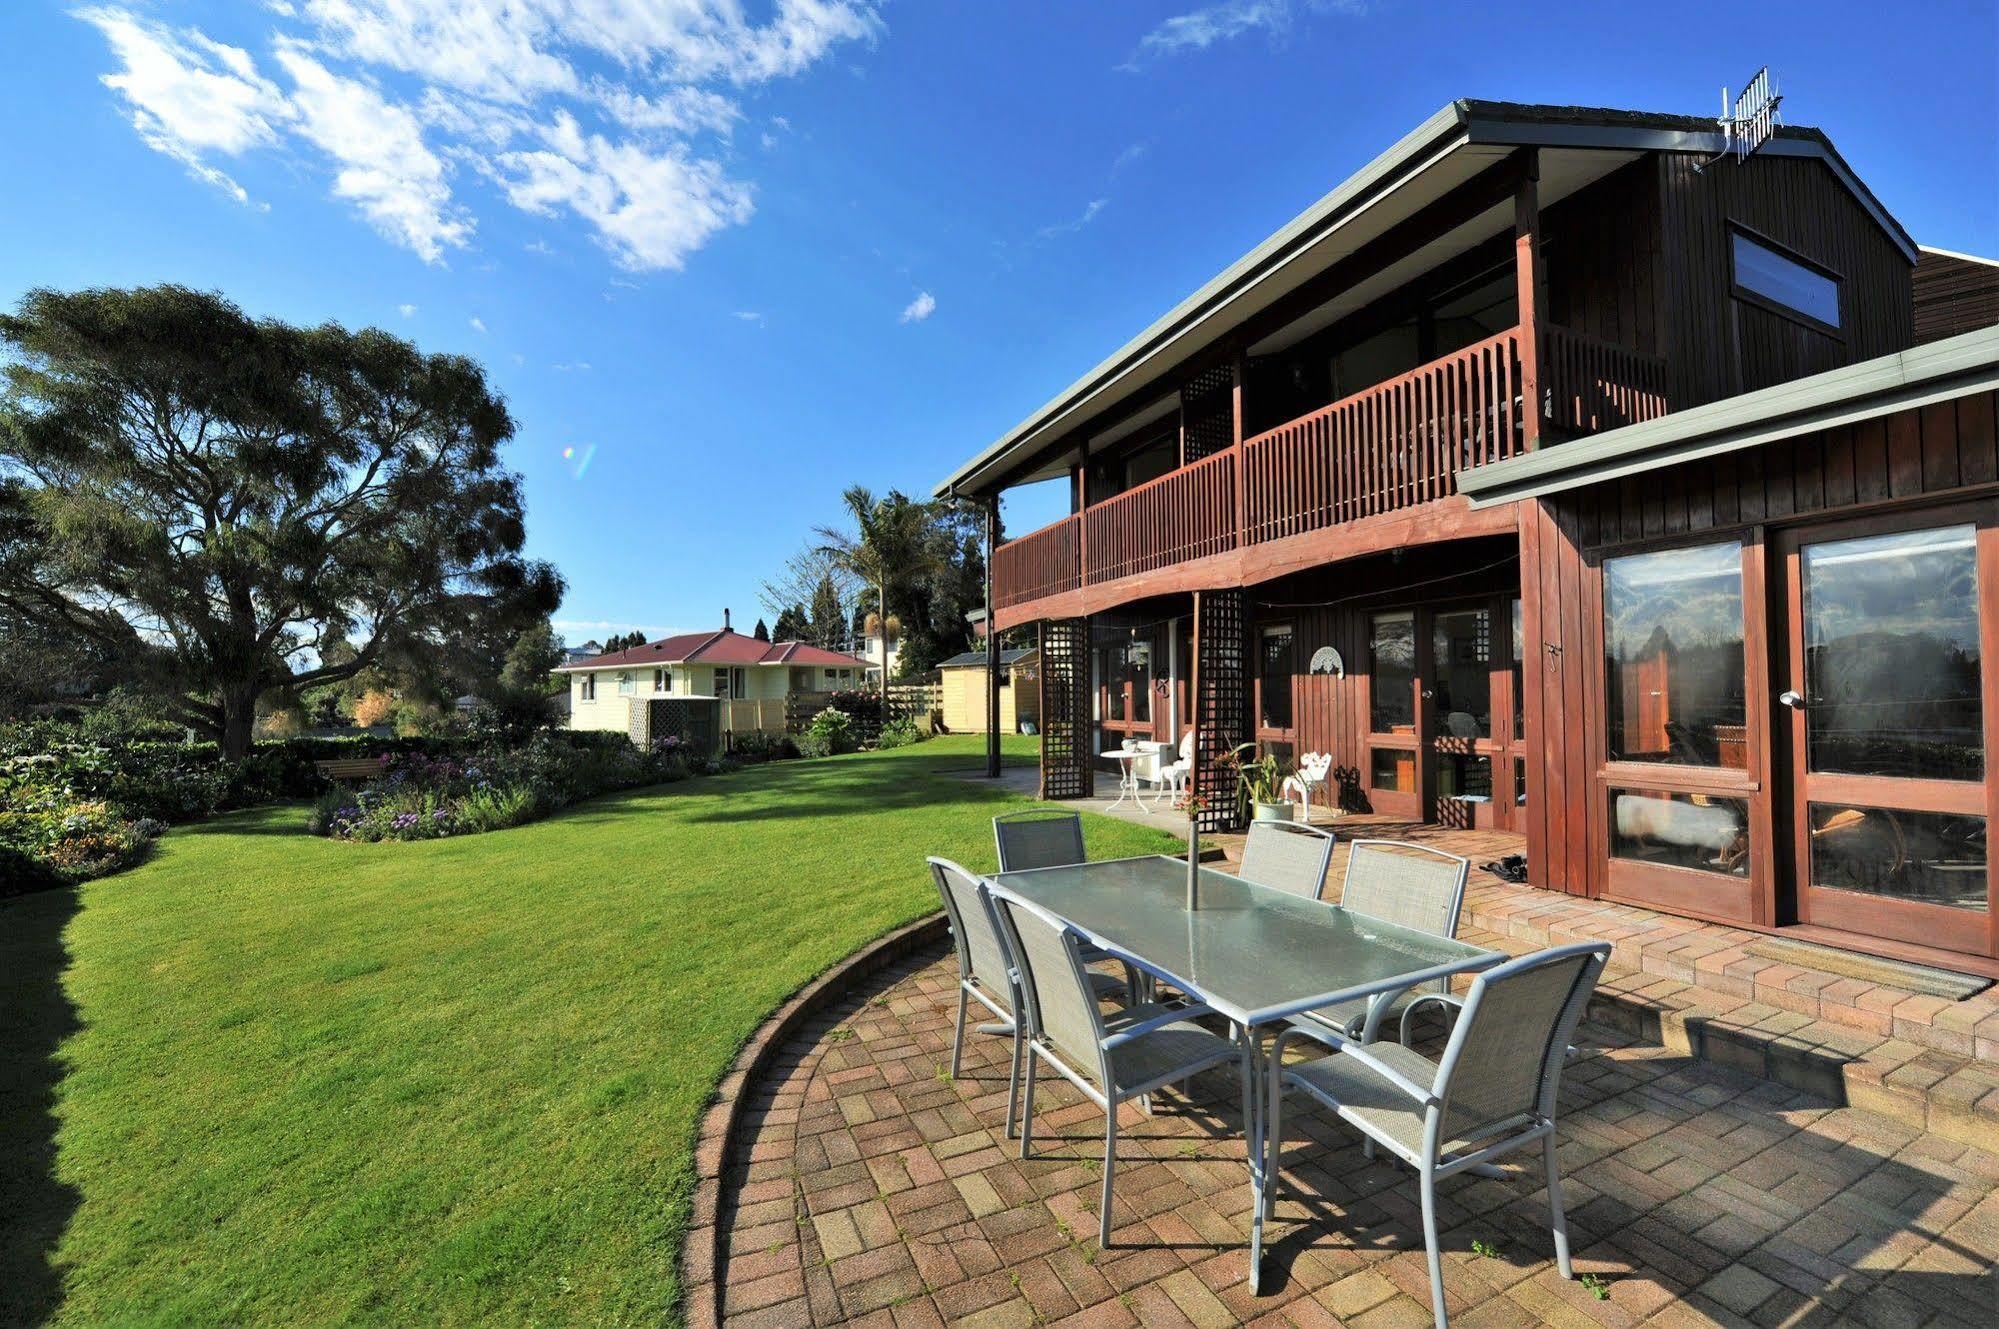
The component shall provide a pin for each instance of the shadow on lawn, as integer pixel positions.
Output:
(35, 1018)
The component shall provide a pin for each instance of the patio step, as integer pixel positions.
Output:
(1920, 1086)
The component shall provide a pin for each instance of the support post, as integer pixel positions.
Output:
(1531, 294)
(992, 646)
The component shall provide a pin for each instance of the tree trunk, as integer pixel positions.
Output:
(881, 612)
(239, 721)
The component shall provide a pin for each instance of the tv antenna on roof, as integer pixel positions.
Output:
(1749, 118)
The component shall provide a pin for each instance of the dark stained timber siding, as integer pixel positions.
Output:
(1718, 346)
(1954, 295)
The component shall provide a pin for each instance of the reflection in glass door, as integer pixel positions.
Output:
(1459, 694)
(1886, 689)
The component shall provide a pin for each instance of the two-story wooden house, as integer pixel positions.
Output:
(1561, 475)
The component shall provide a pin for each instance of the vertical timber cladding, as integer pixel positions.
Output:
(1066, 770)
(1221, 702)
(1207, 413)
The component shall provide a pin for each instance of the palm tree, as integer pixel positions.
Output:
(891, 546)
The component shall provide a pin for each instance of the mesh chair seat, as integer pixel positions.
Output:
(1287, 856)
(1171, 1052)
(1364, 1092)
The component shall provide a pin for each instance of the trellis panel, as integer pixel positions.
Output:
(1221, 703)
(1065, 709)
(1207, 413)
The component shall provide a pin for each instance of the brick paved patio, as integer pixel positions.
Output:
(877, 1190)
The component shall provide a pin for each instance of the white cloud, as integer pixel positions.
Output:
(599, 626)
(651, 207)
(407, 311)
(385, 168)
(1076, 223)
(500, 84)
(1202, 28)
(922, 307)
(751, 316)
(571, 367)
(476, 323)
(190, 97)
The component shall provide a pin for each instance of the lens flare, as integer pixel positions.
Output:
(578, 459)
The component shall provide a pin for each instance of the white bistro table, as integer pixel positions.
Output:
(1255, 955)
(1127, 776)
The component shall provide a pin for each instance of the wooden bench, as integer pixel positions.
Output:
(345, 769)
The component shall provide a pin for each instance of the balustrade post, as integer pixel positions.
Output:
(1531, 295)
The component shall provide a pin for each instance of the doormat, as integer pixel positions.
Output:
(1918, 978)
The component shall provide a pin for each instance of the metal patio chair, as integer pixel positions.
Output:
(1494, 1090)
(1129, 1055)
(1396, 882)
(1287, 856)
(985, 974)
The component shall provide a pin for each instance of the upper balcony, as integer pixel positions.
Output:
(1351, 467)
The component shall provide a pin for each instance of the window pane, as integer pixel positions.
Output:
(1790, 283)
(1702, 831)
(1891, 656)
(1275, 694)
(1672, 627)
(1461, 670)
(1931, 857)
(1394, 769)
(1461, 776)
(1393, 655)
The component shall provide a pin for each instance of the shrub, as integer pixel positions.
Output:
(900, 734)
(830, 732)
(374, 708)
(759, 746)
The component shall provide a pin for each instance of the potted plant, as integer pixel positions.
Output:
(1259, 778)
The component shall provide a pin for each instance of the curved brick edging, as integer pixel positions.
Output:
(715, 1145)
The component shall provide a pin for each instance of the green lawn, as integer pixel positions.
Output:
(272, 1078)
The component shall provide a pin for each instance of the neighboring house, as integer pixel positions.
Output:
(871, 651)
(1562, 474)
(963, 684)
(577, 654)
(751, 679)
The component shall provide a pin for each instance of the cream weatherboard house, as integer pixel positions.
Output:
(747, 681)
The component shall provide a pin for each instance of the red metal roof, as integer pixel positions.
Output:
(727, 647)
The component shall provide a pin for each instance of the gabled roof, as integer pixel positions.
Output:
(1578, 144)
(1008, 658)
(726, 647)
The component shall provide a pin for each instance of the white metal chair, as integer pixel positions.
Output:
(985, 975)
(1410, 884)
(1494, 1090)
(1173, 777)
(1287, 856)
(1133, 1053)
(1313, 769)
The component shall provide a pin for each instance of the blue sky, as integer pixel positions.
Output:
(741, 253)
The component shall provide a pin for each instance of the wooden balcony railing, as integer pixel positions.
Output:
(1044, 562)
(1397, 445)
(1596, 385)
(1181, 515)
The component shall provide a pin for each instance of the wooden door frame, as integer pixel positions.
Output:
(1904, 925)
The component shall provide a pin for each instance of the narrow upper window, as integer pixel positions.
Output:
(624, 685)
(662, 680)
(1785, 281)
(586, 687)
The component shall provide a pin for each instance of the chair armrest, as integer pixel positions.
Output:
(1160, 1021)
(1441, 998)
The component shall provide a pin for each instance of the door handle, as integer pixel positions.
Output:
(1792, 700)
(1429, 695)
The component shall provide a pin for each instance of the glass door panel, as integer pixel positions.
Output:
(1887, 702)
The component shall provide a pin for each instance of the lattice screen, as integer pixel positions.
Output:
(1207, 412)
(1065, 708)
(1221, 702)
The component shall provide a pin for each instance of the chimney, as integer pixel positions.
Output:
(725, 622)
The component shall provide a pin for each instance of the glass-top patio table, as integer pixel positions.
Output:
(1257, 956)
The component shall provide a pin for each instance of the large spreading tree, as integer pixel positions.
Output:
(236, 507)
